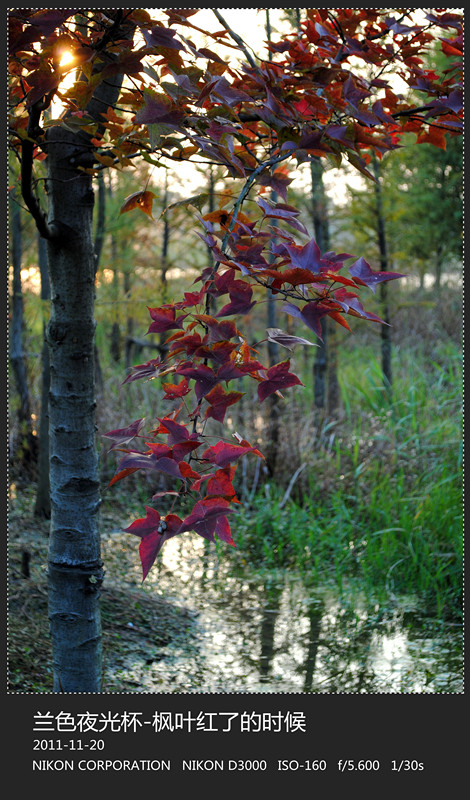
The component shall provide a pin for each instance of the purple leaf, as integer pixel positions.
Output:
(281, 211)
(148, 370)
(158, 110)
(122, 436)
(310, 315)
(307, 256)
(135, 460)
(204, 376)
(162, 37)
(240, 300)
(363, 274)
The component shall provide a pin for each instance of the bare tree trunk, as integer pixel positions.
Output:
(28, 442)
(115, 343)
(164, 263)
(129, 349)
(438, 273)
(320, 225)
(75, 569)
(385, 334)
(42, 506)
(273, 411)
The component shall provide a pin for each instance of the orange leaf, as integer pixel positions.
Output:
(224, 218)
(185, 153)
(435, 136)
(122, 474)
(340, 319)
(142, 200)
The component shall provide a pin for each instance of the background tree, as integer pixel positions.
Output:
(17, 356)
(42, 506)
(431, 195)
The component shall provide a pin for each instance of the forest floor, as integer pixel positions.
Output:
(154, 623)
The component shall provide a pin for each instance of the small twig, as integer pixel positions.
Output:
(255, 480)
(291, 485)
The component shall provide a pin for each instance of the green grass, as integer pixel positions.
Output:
(390, 516)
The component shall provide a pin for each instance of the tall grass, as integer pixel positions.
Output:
(382, 503)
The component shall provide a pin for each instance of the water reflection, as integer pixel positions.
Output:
(279, 634)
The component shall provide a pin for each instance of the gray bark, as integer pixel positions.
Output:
(74, 563)
(75, 569)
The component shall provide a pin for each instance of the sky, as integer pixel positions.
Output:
(250, 24)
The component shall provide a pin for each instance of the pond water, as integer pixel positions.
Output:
(250, 633)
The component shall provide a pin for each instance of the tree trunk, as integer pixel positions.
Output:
(75, 569)
(386, 339)
(42, 506)
(115, 339)
(320, 369)
(74, 566)
(164, 265)
(273, 410)
(325, 374)
(129, 348)
(28, 443)
(438, 273)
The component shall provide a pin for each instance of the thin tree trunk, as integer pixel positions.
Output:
(129, 349)
(100, 220)
(320, 363)
(438, 273)
(385, 334)
(164, 264)
(115, 344)
(98, 247)
(42, 506)
(28, 443)
(273, 410)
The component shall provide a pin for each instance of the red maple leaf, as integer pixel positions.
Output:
(176, 432)
(218, 331)
(176, 390)
(219, 401)
(203, 375)
(204, 516)
(220, 484)
(240, 300)
(154, 532)
(277, 377)
(223, 454)
(164, 319)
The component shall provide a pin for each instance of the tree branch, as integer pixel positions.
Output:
(27, 153)
(236, 38)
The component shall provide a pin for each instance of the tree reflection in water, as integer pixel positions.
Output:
(277, 633)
